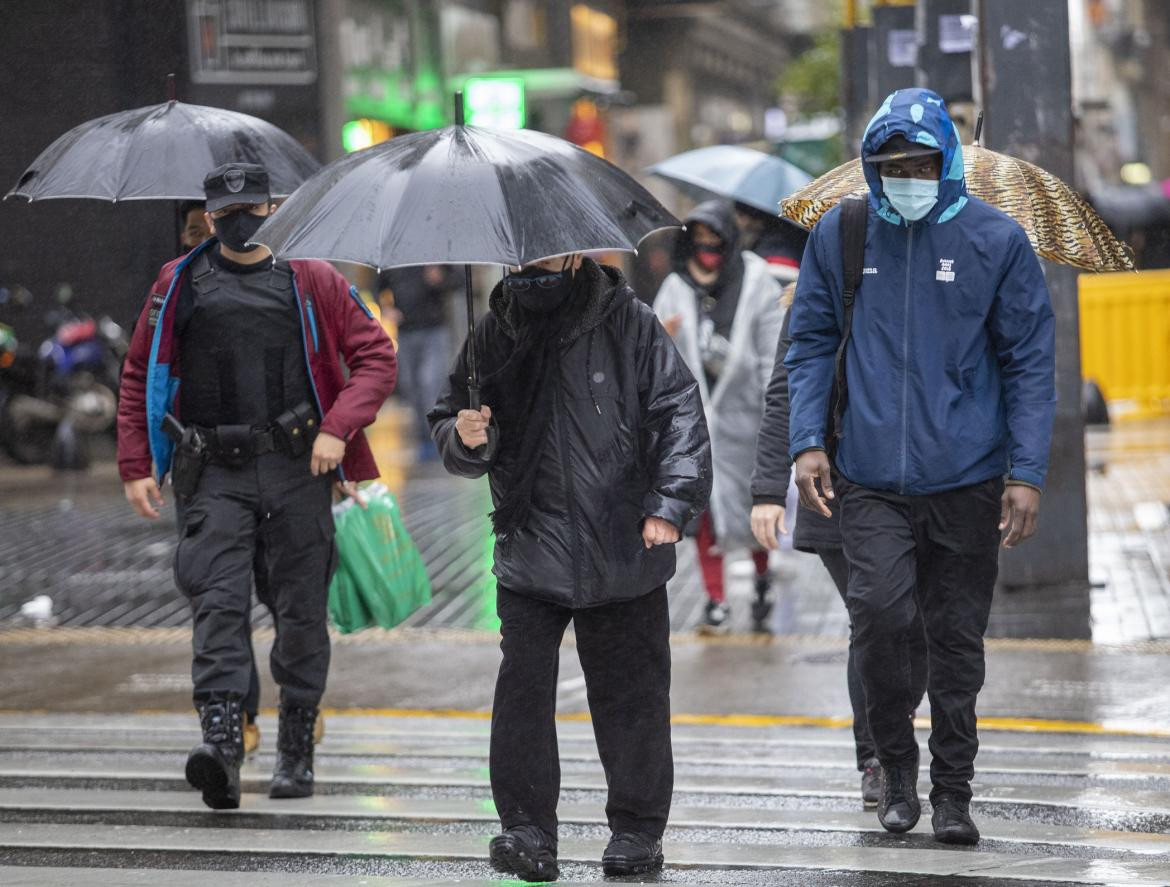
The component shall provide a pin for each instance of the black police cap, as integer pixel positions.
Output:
(234, 183)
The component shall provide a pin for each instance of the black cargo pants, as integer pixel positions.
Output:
(938, 555)
(275, 506)
(624, 649)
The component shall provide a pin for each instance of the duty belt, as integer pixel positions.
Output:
(236, 445)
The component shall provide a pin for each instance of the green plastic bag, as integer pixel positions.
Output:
(380, 578)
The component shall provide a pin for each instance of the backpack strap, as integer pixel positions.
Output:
(853, 224)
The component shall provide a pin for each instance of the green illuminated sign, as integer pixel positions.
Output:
(497, 102)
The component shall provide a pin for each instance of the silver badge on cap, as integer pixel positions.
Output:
(234, 180)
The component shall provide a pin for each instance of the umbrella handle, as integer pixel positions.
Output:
(487, 451)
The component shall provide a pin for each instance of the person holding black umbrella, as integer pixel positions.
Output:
(252, 423)
(603, 457)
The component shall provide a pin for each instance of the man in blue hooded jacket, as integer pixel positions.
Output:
(943, 440)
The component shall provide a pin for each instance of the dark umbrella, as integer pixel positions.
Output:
(161, 152)
(464, 195)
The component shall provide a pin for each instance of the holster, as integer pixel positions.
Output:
(294, 430)
(190, 457)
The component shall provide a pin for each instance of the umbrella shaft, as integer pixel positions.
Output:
(472, 367)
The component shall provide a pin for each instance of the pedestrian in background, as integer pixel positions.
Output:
(238, 356)
(776, 241)
(193, 225)
(603, 458)
(816, 534)
(418, 299)
(722, 308)
(947, 386)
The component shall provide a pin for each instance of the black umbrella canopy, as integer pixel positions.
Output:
(161, 152)
(464, 195)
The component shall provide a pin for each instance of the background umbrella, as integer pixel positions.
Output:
(734, 172)
(1060, 224)
(464, 195)
(161, 152)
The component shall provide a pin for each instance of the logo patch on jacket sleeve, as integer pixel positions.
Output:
(156, 303)
(945, 272)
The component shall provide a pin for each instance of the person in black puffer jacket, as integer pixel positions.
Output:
(603, 458)
(815, 533)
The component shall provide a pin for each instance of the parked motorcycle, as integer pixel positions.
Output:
(53, 400)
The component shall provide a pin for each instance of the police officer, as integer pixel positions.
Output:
(234, 387)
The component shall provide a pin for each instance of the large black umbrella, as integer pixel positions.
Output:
(464, 195)
(161, 152)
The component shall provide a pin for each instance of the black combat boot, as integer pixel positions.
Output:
(293, 776)
(213, 766)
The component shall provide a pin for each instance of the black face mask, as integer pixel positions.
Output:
(540, 292)
(235, 229)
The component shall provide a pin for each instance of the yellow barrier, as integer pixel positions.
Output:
(1125, 340)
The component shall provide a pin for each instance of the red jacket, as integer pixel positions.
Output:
(335, 325)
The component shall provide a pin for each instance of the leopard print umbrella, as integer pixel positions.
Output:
(1061, 225)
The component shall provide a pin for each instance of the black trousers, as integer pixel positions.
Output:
(275, 506)
(263, 593)
(937, 555)
(838, 567)
(624, 650)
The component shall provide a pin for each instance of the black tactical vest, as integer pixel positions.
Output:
(243, 359)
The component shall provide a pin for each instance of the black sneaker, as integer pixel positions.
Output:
(213, 767)
(526, 852)
(898, 806)
(762, 605)
(630, 853)
(716, 619)
(952, 821)
(871, 782)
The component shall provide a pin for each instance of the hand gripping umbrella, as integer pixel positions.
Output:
(1060, 224)
(161, 152)
(464, 195)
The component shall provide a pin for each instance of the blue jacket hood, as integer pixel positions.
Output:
(920, 116)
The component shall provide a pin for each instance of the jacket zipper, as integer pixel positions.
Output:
(567, 472)
(312, 321)
(308, 363)
(906, 356)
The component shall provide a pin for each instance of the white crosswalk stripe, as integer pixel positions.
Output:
(406, 801)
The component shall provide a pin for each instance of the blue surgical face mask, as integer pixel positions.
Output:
(912, 199)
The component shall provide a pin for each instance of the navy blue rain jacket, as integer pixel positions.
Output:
(951, 364)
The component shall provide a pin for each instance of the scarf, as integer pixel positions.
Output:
(525, 389)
